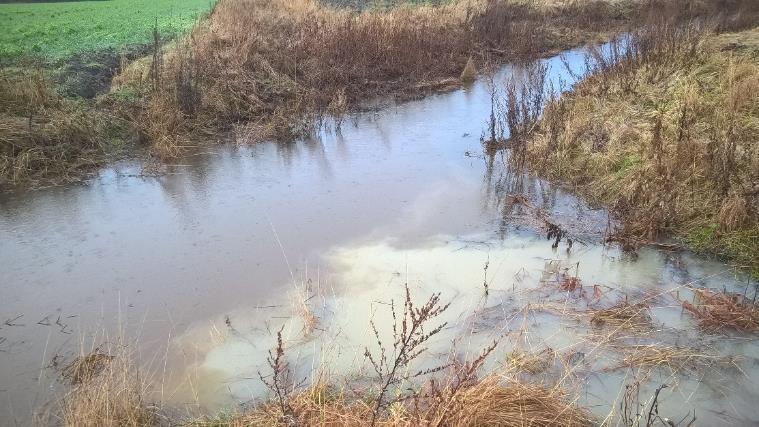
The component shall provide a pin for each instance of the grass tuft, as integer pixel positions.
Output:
(106, 391)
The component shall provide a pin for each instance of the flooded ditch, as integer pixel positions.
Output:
(201, 266)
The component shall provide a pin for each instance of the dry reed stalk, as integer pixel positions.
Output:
(301, 303)
(411, 332)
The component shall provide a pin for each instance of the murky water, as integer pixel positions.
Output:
(203, 265)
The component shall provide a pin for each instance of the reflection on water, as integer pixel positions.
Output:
(401, 194)
(520, 309)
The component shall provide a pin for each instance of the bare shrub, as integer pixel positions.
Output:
(280, 381)
(409, 339)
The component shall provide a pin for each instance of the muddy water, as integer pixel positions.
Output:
(201, 266)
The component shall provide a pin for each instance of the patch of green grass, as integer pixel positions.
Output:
(61, 29)
(626, 163)
(741, 246)
(127, 94)
(701, 238)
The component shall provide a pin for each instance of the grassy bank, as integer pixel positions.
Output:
(57, 60)
(664, 132)
(43, 133)
(272, 69)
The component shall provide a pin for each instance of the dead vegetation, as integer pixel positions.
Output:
(270, 69)
(531, 362)
(86, 367)
(623, 315)
(637, 413)
(517, 404)
(488, 401)
(554, 230)
(409, 339)
(723, 311)
(106, 390)
(278, 67)
(275, 69)
(42, 133)
(396, 392)
(453, 394)
(675, 358)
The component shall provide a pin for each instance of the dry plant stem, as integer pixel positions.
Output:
(280, 379)
(632, 417)
(408, 344)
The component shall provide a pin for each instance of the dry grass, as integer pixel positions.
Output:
(723, 310)
(531, 362)
(107, 391)
(490, 401)
(674, 358)
(519, 404)
(86, 367)
(278, 65)
(42, 134)
(623, 316)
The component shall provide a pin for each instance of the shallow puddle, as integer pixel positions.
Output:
(203, 265)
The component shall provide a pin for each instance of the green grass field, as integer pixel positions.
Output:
(60, 29)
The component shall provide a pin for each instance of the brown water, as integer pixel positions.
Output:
(200, 265)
